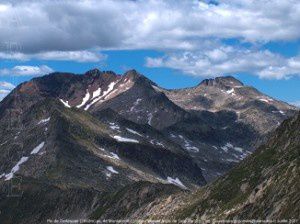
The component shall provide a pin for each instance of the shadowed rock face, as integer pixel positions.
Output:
(69, 152)
(264, 185)
(99, 133)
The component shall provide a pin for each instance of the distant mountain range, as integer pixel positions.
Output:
(73, 143)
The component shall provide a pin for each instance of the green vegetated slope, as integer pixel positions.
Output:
(264, 186)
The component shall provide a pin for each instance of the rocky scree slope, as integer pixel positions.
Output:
(263, 186)
(228, 93)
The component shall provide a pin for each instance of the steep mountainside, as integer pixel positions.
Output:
(102, 140)
(63, 151)
(142, 104)
(217, 135)
(75, 148)
(263, 186)
(229, 120)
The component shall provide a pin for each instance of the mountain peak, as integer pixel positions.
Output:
(132, 74)
(93, 72)
(138, 78)
(222, 81)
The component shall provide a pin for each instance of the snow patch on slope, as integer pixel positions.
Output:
(268, 100)
(187, 144)
(16, 168)
(231, 91)
(150, 117)
(101, 97)
(114, 126)
(43, 121)
(109, 89)
(123, 139)
(65, 103)
(157, 143)
(134, 132)
(114, 156)
(135, 104)
(176, 182)
(238, 149)
(111, 169)
(264, 100)
(226, 147)
(38, 148)
(85, 99)
(96, 93)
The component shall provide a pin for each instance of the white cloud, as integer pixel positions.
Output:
(25, 70)
(14, 56)
(229, 60)
(3, 91)
(41, 26)
(3, 94)
(7, 85)
(77, 56)
(77, 30)
(5, 88)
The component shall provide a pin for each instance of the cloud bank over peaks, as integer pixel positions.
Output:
(78, 30)
(75, 56)
(226, 60)
(171, 24)
(5, 88)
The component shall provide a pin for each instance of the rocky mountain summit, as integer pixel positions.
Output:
(94, 139)
(261, 112)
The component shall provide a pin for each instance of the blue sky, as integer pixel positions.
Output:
(156, 38)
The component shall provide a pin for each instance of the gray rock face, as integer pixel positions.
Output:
(260, 111)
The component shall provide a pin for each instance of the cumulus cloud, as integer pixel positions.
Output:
(77, 30)
(25, 70)
(5, 88)
(3, 94)
(227, 60)
(40, 26)
(7, 85)
(77, 56)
